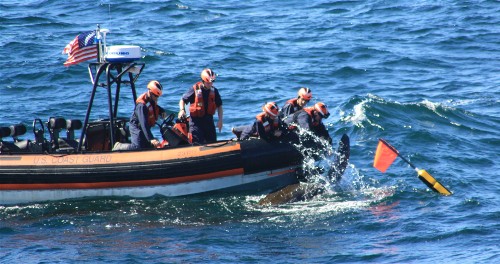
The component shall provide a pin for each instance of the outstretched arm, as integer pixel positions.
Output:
(304, 121)
(142, 112)
(323, 132)
(182, 111)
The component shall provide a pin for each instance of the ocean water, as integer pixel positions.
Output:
(424, 75)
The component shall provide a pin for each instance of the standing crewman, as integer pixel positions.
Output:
(203, 99)
(310, 118)
(304, 95)
(145, 114)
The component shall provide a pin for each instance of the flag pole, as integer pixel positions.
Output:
(423, 175)
(397, 152)
(101, 43)
(98, 40)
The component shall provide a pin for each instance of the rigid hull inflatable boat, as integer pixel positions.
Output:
(223, 166)
(54, 167)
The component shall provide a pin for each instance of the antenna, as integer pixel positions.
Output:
(104, 31)
(102, 42)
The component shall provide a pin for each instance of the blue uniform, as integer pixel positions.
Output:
(264, 129)
(140, 130)
(305, 121)
(289, 108)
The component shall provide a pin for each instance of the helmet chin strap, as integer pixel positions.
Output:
(317, 116)
(205, 86)
(150, 96)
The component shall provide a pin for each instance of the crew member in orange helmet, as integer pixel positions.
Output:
(145, 114)
(203, 99)
(311, 118)
(267, 124)
(304, 95)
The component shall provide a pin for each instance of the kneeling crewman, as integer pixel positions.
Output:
(310, 118)
(267, 124)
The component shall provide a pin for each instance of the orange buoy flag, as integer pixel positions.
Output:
(384, 156)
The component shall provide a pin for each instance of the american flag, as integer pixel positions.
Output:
(82, 48)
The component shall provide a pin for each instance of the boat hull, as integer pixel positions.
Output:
(256, 182)
(254, 165)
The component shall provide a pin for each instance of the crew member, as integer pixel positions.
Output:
(304, 95)
(311, 118)
(267, 124)
(145, 114)
(204, 99)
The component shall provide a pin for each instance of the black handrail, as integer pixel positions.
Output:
(108, 67)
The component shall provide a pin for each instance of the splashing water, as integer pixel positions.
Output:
(317, 153)
(318, 168)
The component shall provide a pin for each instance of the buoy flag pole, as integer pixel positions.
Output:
(385, 156)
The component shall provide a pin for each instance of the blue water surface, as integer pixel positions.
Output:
(424, 75)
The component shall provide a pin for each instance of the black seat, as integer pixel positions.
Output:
(4, 132)
(54, 125)
(17, 130)
(71, 126)
(17, 145)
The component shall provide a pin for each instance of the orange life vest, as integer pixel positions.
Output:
(293, 102)
(153, 109)
(181, 129)
(197, 108)
(267, 123)
(310, 111)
